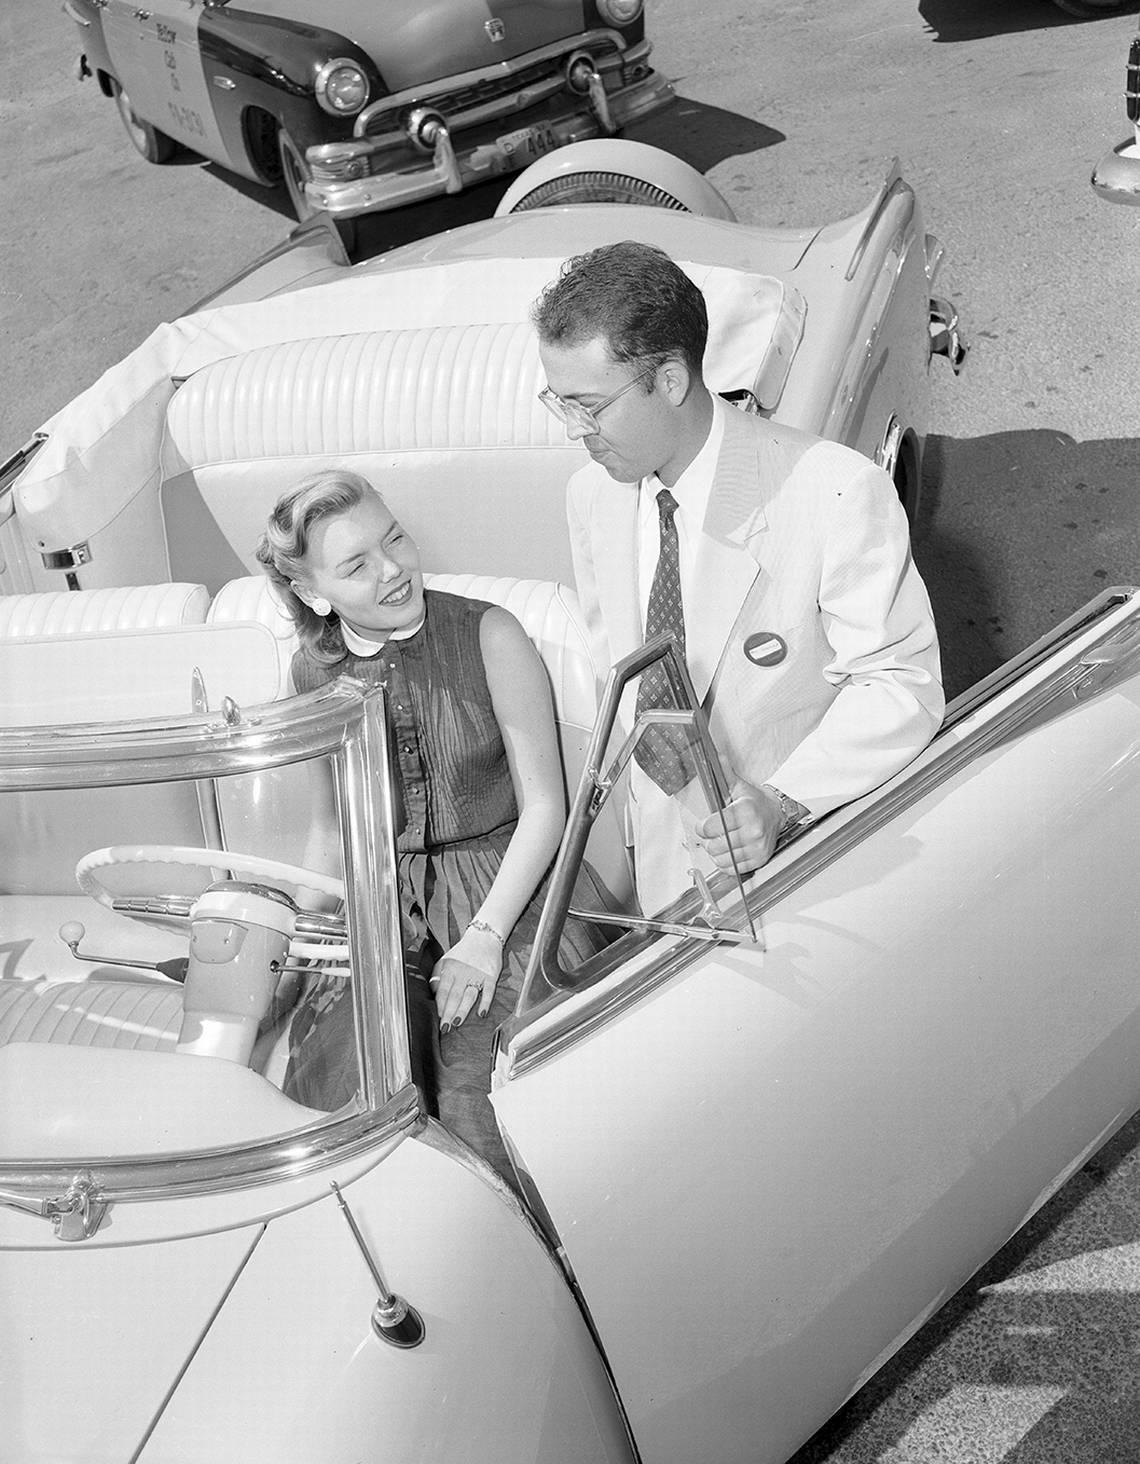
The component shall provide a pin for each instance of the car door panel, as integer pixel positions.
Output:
(770, 1169)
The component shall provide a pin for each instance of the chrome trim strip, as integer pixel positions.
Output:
(505, 107)
(164, 749)
(997, 681)
(212, 1171)
(935, 253)
(821, 847)
(365, 802)
(887, 452)
(862, 347)
(616, 56)
(889, 185)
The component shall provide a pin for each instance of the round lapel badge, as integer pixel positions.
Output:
(765, 648)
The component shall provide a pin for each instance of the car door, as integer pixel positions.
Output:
(155, 51)
(768, 1162)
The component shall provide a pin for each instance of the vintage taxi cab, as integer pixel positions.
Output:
(359, 107)
(757, 1140)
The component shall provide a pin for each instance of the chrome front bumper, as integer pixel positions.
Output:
(418, 146)
(1117, 175)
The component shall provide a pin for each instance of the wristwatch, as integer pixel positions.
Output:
(795, 814)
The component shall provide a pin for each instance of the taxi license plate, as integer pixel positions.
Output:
(526, 143)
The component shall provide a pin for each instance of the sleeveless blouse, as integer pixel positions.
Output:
(460, 812)
(448, 753)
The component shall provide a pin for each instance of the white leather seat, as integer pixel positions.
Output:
(124, 1014)
(440, 419)
(253, 598)
(87, 612)
(424, 378)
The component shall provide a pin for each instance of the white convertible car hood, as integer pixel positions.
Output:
(414, 41)
(96, 1336)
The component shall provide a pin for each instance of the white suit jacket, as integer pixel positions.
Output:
(805, 539)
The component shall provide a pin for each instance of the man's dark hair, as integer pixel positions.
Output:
(632, 295)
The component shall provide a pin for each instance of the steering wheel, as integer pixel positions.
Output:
(86, 871)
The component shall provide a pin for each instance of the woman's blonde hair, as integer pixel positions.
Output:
(284, 545)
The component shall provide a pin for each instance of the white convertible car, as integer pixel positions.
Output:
(758, 1139)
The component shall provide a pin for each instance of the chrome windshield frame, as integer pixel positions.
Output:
(347, 722)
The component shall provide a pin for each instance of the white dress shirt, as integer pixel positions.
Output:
(691, 490)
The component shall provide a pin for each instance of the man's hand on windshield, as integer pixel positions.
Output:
(753, 818)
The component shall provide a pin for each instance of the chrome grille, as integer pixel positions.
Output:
(454, 101)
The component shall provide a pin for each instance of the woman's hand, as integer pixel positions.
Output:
(466, 975)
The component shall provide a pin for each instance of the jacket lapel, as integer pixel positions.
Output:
(728, 564)
(614, 545)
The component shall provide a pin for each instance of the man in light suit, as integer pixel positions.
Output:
(806, 627)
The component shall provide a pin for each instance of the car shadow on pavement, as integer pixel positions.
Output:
(1032, 1361)
(972, 20)
(1016, 532)
(275, 199)
(704, 135)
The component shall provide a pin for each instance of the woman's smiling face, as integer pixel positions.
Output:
(367, 568)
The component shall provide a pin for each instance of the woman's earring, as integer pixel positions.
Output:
(320, 606)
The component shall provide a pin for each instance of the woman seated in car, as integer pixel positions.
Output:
(480, 783)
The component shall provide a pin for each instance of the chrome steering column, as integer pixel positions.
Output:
(239, 940)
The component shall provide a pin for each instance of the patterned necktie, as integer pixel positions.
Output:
(663, 751)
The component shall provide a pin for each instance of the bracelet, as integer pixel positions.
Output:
(482, 925)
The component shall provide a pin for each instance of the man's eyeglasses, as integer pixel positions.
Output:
(585, 419)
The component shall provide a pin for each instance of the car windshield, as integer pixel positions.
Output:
(170, 943)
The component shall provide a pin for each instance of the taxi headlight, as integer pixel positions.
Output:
(342, 88)
(620, 12)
